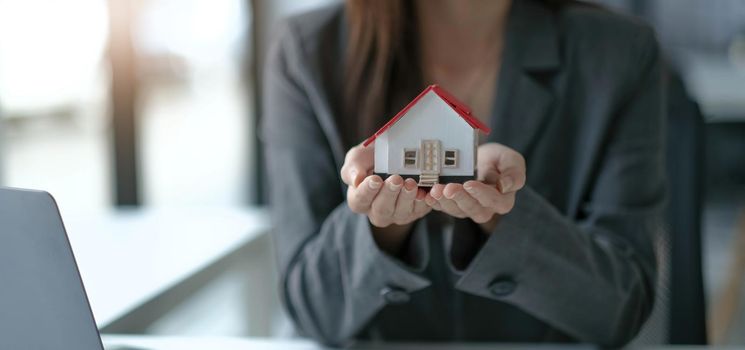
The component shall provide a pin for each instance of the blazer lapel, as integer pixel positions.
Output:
(531, 56)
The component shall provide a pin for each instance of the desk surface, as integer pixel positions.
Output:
(128, 257)
(127, 342)
(119, 342)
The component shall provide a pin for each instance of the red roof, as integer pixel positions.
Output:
(460, 108)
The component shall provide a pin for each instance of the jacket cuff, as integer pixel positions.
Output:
(525, 255)
(380, 278)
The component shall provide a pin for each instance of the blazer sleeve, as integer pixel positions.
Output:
(334, 278)
(593, 276)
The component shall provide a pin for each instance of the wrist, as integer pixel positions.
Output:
(391, 238)
(489, 226)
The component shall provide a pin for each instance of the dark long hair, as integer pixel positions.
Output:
(381, 69)
(380, 59)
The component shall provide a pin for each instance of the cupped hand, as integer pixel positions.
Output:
(390, 202)
(501, 173)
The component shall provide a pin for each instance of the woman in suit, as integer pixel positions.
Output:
(553, 242)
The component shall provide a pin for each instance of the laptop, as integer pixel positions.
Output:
(43, 304)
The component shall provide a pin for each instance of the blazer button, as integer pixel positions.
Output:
(502, 287)
(395, 295)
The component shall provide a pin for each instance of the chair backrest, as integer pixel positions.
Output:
(680, 287)
(679, 315)
(685, 169)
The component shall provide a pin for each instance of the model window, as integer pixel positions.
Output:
(410, 158)
(451, 158)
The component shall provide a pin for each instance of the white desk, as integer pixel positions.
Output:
(114, 342)
(118, 342)
(127, 258)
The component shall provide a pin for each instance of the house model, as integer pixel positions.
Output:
(432, 140)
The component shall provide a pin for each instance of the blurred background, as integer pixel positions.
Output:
(139, 116)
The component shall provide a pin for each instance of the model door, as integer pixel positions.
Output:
(430, 157)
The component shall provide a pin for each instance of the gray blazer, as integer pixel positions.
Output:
(580, 96)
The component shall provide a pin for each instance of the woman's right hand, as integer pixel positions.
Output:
(392, 205)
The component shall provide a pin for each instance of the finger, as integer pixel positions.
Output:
(353, 174)
(405, 202)
(487, 159)
(358, 164)
(499, 164)
(511, 180)
(511, 167)
(432, 202)
(469, 205)
(360, 198)
(489, 176)
(421, 208)
(448, 205)
(383, 206)
(421, 194)
(506, 203)
(488, 196)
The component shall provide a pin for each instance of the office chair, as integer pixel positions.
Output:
(679, 315)
(685, 171)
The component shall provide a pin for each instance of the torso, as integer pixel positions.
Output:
(558, 123)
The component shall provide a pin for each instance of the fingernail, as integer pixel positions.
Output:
(353, 173)
(393, 187)
(468, 187)
(409, 186)
(374, 184)
(506, 184)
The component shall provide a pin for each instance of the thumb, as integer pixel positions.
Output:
(357, 164)
(511, 180)
(352, 174)
(356, 176)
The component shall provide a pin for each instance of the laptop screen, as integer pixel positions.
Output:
(43, 304)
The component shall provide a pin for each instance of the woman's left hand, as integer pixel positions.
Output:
(501, 173)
